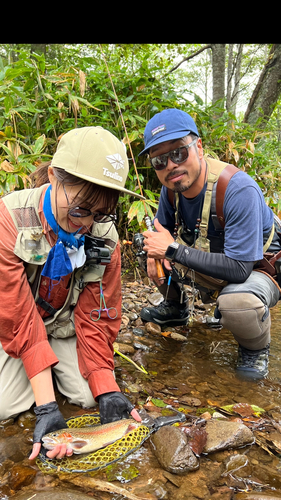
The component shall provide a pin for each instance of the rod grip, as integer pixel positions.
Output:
(160, 272)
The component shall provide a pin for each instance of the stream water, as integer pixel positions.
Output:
(202, 367)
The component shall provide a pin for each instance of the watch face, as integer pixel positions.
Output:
(171, 251)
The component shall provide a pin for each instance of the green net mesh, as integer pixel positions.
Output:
(100, 458)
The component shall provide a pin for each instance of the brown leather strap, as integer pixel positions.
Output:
(222, 183)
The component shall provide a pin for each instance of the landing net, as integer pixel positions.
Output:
(100, 458)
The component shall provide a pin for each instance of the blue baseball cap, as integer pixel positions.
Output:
(167, 125)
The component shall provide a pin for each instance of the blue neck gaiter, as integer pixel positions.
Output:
(58, 263)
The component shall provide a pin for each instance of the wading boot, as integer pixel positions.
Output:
(168, 313)
(253, 364)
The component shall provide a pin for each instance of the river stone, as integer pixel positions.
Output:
(132, 316)
(153, 328)
(21, 476)
(124, 348)
(155, 298)
(178, 337)
(224, 435)
(140, 331)
(13, 448)
(54, 494)
(172, 451)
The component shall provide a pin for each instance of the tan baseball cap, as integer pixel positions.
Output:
(96, 155)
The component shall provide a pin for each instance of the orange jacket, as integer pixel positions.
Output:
(22, 331)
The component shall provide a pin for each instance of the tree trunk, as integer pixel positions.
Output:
(218, 67)
(38, 48)
(229, 76)
(267, 91)
(237, 79)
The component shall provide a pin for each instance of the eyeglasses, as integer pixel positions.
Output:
(97, 216)
(178, 156)
(86, 212)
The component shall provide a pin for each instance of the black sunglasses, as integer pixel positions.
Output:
(178, 156)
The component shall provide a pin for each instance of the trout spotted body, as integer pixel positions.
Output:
(89, 439)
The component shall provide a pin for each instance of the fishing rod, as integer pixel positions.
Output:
(147, 219)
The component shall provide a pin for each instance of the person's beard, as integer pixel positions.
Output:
(180, 187)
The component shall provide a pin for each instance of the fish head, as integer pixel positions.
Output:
(51, 440)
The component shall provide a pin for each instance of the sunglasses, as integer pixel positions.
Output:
(86, 212)
(178, 156)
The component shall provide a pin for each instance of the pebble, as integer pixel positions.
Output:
(132, 316)
(124, 348)
(152, 328)
(139, 331)
(155, 298)
(178, 337)
(138, 345)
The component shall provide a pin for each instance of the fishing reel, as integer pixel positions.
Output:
(138, 239)
(95, 250)
(138, 242)
(140, 253)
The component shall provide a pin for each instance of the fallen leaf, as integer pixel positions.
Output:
(198, 440)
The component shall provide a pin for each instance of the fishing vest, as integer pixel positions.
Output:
(33, 248)
(218, 176)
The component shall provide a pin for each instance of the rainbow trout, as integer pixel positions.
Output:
(89, 439)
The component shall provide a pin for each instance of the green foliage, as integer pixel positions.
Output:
(42, 98)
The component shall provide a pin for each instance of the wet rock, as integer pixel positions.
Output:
(153, 329)
(137, 323)
(5, 492)
(124, 348)
(132, 316)
(54, 494)
(140, 331)
(21, 476)
(13, 448)
(6, 422)
(125, 320)
(190, 401)
(172, 451)
(155, 299)
(138, 307)
(253, 495)
(139, 345)
(134, 388)
(178, 337)
(140, 358)
(224, 435)
(26, 420)
(125, 338)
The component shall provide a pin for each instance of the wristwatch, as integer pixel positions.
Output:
(171, 251)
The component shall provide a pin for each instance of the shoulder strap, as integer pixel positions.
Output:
(222, 174)
(222, 183)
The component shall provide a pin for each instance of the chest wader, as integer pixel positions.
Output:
(33, 248)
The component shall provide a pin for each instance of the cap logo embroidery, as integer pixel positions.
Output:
(158, 129)
(116, 161)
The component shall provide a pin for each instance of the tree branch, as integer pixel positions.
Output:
(188, 58)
